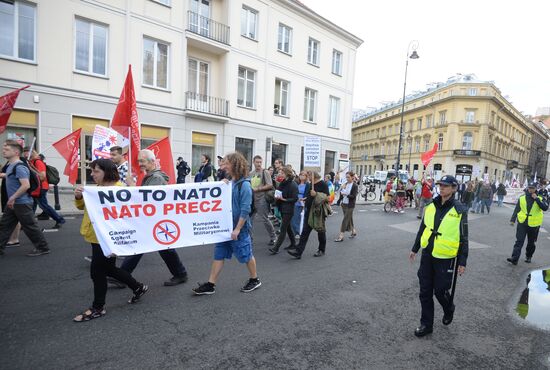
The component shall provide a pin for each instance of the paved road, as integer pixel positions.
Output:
(355, 308)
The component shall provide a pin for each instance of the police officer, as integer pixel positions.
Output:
(443, 237)
(528, 212)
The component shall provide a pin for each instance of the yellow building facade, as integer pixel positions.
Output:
(478, 133)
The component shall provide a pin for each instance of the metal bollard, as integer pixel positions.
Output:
(57, 206)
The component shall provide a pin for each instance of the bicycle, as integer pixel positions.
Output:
(390, 205)
(369, 192)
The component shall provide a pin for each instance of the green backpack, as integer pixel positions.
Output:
(52, 174)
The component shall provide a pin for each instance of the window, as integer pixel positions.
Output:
(249, 22)
(417, 144)
(429, 121)
(313, 47)
(467, 141)
(472, 91)
(470, 116)
(245, 147)
(285, 39)
(442, 117)
(202, 143)
(17, 30)
(90, 47)
(382, 149)
(330, 158)
(426, 143)
(440, 142)
(419, 123)
(336, 62)
(334, 112)
(155, 63)
(278, 151)
(246, 89)
(310, 99)
(197, 77)
(411, 125)
(281, 97)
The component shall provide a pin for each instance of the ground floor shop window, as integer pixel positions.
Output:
(330, 156)
(245, 147)
(278, 151)
(152, 134)
(202, 144)
(21, 127)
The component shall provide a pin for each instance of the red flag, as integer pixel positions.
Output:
(6, 106)
(428, 156)
(163, 153)
(125, 119)
(68, 148)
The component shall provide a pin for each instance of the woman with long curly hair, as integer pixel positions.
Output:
(240, 244)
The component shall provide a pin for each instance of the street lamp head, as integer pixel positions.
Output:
(414, 55)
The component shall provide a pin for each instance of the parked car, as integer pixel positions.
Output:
(380, 177)
(368, 179)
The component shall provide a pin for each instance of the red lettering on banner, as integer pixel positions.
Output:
(168, 207)
(149, 210)
(136, 208)
(217, 206)
(109, 213)
(180, 208)
(204, 206)
(124, 212)
(193, 207)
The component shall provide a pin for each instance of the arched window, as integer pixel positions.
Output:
(440, 142)
(467, 141)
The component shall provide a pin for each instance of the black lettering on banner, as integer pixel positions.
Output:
(145, 193)
(109, 196)
(159, 195)
(215, 192)
(123, 195)
(179, 194)
(203, 192)
(193, 194)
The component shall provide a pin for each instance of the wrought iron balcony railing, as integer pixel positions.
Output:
(207, 27)
(206, 104)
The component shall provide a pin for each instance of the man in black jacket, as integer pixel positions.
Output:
(183, 170)
(443, 237)
(528, 212)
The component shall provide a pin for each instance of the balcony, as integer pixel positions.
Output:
(206, 105)
(207, 34)
(466, 153)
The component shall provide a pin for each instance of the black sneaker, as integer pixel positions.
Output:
(58, 225)
(251, 285)
(138, 293)
(43, 216)
(527, 259)
(37, 252)
(295, 254)
(512, 261)
(271, 242)
(273, 251)
(319, 254)
(290, 247)
(205, 289)
(448, 317)
(175, 280)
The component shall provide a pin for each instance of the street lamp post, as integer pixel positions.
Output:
(413, 45)
(409, 140)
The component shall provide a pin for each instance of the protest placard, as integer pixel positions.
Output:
(132, 220)
(104, 139)
(312, 153)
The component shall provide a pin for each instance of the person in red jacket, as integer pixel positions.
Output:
(39, 166)
(425, 196)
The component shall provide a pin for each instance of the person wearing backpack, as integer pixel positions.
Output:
(19, 204)
(262, 187)
(240, 244)
(183, 170)
(38, 165)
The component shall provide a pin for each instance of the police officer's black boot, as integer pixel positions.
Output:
(448, 317)
(423, 330)
(527, 259)
(512, 261)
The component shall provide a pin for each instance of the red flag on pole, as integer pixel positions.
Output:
(125, 119)
(6, 106)
(428, 156)
(68, 148)
(163, 153)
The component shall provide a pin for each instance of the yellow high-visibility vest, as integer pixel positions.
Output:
(447, 240)
(535, 216)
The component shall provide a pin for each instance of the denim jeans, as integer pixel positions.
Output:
(297, 219)
(42, 201)
(170, 257)
(485, 203)
(500, 199)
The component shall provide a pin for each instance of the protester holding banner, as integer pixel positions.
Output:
(155, 177)
(19, 205)
(104, 173)
(121, 163)
(37, 164)
(241, 244)
(286, 196)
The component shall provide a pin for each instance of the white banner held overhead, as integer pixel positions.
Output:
(133, 220)
(312, 152)
(104, 139)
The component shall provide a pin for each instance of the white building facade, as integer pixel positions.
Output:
(213, 75)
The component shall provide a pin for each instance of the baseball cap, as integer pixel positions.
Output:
(532, 184)
(447, 180)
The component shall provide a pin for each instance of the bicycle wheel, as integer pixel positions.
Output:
(387, 207)
(371, 196)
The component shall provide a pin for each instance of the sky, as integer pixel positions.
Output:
(507, 42)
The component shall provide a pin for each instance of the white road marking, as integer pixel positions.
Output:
(362, 210)
(543, 230)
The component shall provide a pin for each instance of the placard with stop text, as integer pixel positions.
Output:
(133, 220)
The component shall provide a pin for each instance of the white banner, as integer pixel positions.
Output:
(104, 138)
(312, 151)
(133, 220)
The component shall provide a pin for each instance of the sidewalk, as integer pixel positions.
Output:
(66, 201)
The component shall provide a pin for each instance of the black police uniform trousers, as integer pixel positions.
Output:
(532, 234)
(435, 276)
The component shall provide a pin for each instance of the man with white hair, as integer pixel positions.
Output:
(155, 177)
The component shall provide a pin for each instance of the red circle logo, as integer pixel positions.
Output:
(166, 232)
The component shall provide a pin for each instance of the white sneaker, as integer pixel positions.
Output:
(395, 211)
(401, 211)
